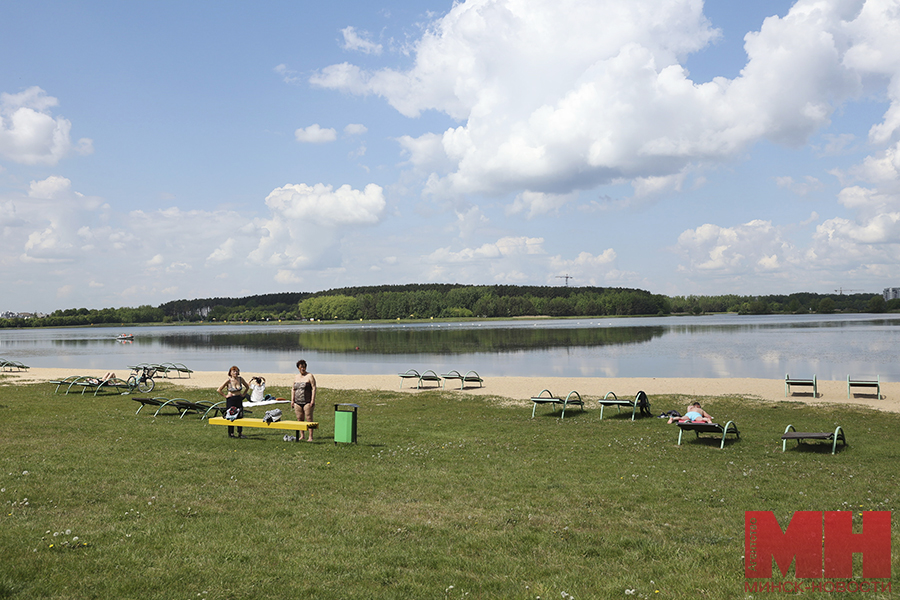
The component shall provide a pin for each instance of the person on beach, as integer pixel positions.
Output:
(694, 414)
(257, 389)
(233, 390)
(109, 375)
(303, 396)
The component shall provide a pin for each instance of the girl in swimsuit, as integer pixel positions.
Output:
(694, 414)
(303, 396)
(237, 388)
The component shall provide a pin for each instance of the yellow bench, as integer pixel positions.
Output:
(298, 426)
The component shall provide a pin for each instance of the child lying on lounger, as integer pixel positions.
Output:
(694, 414)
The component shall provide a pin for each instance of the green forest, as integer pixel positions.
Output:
(454, 301)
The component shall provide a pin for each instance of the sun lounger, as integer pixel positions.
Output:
(865, 383)
(410, 374)
(469, 377)
(160, 403)
(428, 376)
(186, 406)
(12, 365)
(792, 434)
(713, 428)
(640, 404)
(91, 383)
(800, 382)
(573, 397)
(169, 369)
(65, 382)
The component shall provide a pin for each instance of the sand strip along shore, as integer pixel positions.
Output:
(522, 388)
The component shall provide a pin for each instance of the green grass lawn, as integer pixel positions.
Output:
(445, 496)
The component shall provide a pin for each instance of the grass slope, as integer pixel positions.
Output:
(445, 496)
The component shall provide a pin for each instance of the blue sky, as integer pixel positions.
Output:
(166, 150)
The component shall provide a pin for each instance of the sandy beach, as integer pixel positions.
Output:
(522, 388)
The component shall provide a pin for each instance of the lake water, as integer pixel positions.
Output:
(829, 346)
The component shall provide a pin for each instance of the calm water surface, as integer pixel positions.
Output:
(831, 347)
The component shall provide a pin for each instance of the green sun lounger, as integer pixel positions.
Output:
(790, 433)
(572, 397)
(713, 428)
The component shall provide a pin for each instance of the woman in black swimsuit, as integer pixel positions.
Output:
(303, 396)
(236, 388)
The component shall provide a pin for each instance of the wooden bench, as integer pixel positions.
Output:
(799, 382)
(298, 426)
(864, 383)
(792, 434)
(713, 428)
(551, 399)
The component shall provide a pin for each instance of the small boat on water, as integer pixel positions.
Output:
(125, 336)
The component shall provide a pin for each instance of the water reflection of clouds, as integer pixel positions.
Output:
(718, 346)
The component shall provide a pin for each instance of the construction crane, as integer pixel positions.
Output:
(841, 291)
(567, 277)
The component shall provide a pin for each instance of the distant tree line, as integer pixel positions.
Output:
(799, 303)
(424, 301)
(483, 302)
(84, 316)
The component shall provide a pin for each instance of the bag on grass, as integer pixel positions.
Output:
(643, 403)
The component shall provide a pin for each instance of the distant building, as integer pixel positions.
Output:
(891, 293)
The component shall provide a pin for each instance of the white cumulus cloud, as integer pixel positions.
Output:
(748, 248)
(314, 134)
(307, 221)
(30, 134)
(554, 96)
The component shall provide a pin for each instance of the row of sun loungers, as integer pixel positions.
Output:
(422, 379)
(169, 370)
(12, 365)
(794, 382)
(641, 405)
(790, 433)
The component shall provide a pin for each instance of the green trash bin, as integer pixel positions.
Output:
(345, 423)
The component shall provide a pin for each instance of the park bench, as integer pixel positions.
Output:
(864, 383)
(800, 382)
(298, 426)
(829, 436)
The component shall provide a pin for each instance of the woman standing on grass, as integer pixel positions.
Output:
(236, 388)
(303, 395)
